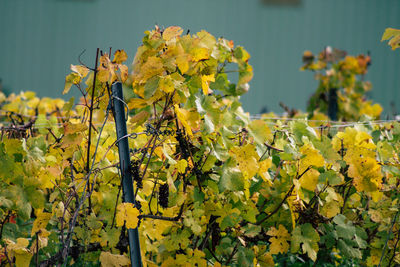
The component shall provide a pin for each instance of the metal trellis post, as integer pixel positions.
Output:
(333, 104)
(124, 159)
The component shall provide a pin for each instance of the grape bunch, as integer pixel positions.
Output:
(163, 195)
(136, 174)
(182, 144)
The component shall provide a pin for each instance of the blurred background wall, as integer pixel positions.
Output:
(39, 39)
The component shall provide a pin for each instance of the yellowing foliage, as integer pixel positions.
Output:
(212, 186)
(127, 214)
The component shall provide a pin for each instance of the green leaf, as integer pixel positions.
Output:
(35, 197)
(245, 256)
(251, 230)
(68, 105)
(331, 176)
(260, 131)
(110, 237)
(360, 238)
(231, 179)
(151, 86)
(324, 145)
(230, 221)
(300, 129)
(198, 195)
(209, 163)
(343, 229)
(93, 222)
(10, 231)
(70, 79)
(348, 250)
(329, 237)
(245, 76)
(306, 236)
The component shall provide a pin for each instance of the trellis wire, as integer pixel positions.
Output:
(268, 120)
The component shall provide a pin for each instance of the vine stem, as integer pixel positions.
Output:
(153, 139)
(37, 248)
(232, 254)
(164, 218)
(388, 237)
(284, 199)
(7, 256)
(3, 222)
(115, 208)
(395, 247)
(90, 123)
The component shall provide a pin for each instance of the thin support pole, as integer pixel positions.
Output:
(124, 159)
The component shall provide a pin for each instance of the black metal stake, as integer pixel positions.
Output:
(333, 104)
(124, 159)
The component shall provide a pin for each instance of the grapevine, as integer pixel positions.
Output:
(214, 187)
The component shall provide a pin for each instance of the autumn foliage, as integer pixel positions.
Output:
(213, 187)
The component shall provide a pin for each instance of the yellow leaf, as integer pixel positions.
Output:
(22, 243)
(181, 166)
(22, 258)
(376, 196)
(309, 180)
(137, 103)
(350, 63)
(120, 56)
(124, 72)
(366, 174)
(166, 84)
(279, 239)
(267, 260)
(205, 81)
(183, 115)
(46, 179)
(71, 128)
(127, 213)
(42, 218)
(70, 79)
(206, 39)
(155, 229)
(260, 131)
(60, 210)
(355, 144)
(182, 61)
(120, 216)
(82, 71)
(172, 32)
(199, 53)
(330, 209)
(139, 118)
(103, 75)
(394, 35)
(373, 111)
(112, 260)
(263, 171)
(375, 215)
(22, 254)
(312, 157)
(42, 236)
(71, 139)
(247, 159)
(245, 75)
(153, 66)
(169, 262)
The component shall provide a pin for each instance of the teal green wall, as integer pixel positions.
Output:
(41, 38)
